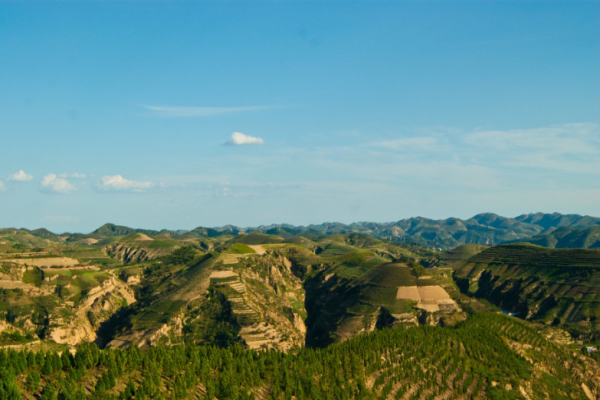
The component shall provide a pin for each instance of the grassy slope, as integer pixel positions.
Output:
(568, 238)
(559, 286)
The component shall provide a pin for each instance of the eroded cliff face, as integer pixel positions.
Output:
(261, 298)
(82, 321)
(128, 254)
(277, 301)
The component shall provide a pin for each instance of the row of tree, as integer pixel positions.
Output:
(423, 362)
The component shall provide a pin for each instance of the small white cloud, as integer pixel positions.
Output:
(20, 176)
(73, 175)
(238, 139)
(2, 187)
(118, 183)
(53, 183)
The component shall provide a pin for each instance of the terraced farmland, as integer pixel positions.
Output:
(555, 286)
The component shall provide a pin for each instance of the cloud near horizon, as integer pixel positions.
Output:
(73, 175)
(197, 112)
(20, 176)
(116, 183)
(239, 139)
(52, 183)
(571, 148)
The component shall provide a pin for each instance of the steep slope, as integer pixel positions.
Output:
(61, 304)
(554, 286)
(259, 293)
(573, 238)
(489, 356)
(118, 230)
(455, 255)
(556, 220)
(140, 247)
(350, 291)
(218, 297)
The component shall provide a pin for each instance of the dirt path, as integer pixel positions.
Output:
(45, 262)
(258, 249)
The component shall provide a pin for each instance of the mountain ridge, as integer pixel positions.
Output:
(484, 229)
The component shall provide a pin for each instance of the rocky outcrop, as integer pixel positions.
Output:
(99, 304)
(126, 254)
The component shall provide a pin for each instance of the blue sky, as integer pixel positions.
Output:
(183, 114)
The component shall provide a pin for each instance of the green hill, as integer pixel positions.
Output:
(554, 286)
(117, 230)
(489, 356)
(556, 220)
(561, 238)
(457, 254)
(258, 238)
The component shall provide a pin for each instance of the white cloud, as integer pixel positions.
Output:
(569, 147)
(53, 183)
(2, 187)
(20, 176)
(573, 148)
(560, 139)
(238, 139)
(73, 175)
(195, 112)
(118, 183)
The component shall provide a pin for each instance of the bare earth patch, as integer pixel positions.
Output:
(408, 293)
(230, 258)
(143, 238)
(433, 293)
(222, 274)
(258, 249)
(46, 262)
(430, 298)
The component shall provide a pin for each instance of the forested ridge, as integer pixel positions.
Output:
(487, 356)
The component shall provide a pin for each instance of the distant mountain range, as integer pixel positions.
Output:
(550, 230)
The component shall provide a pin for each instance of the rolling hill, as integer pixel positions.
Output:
(483, 229)
(553, 286)
(568, 237)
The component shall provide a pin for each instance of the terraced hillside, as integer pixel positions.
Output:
(460, 253)
(562, 238)
(251, 292)
(141, 247)
(554, 286)
(360, 290)
(256, 288)
(59, 303)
